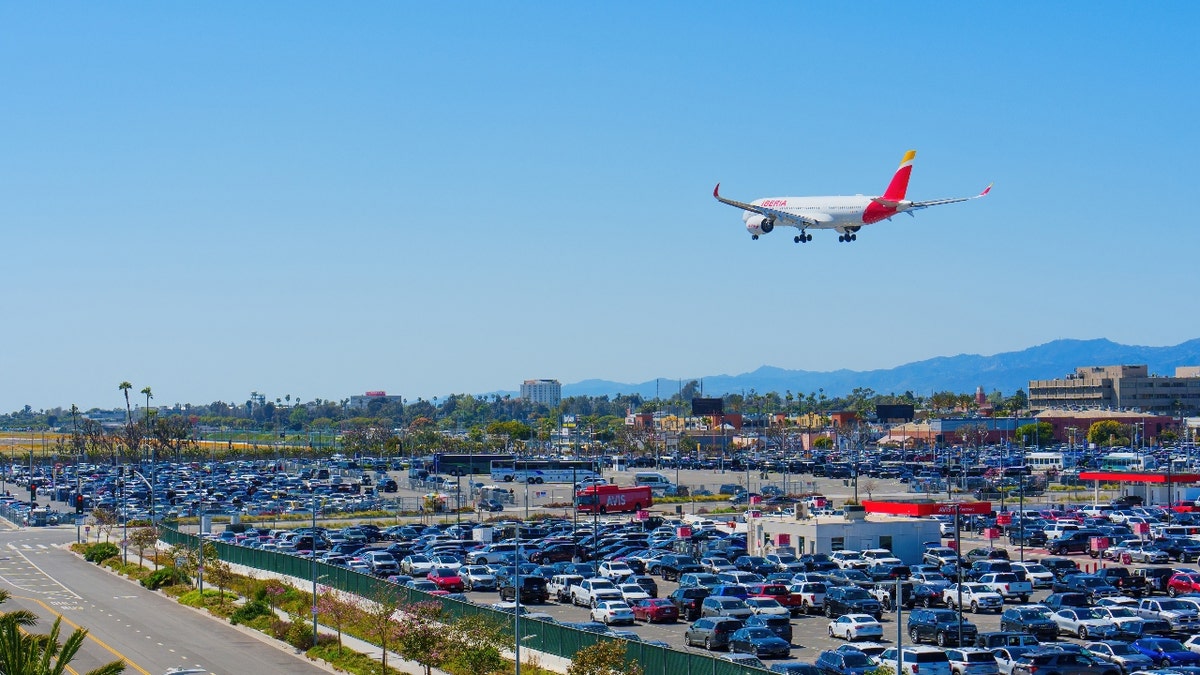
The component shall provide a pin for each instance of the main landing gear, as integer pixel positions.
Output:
(801, 238)
(848, 237)
(754, 237)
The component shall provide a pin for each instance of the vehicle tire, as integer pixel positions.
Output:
(1024, 598)
(593, 603)
(707, 645)
(941, 640)
(1172, 592)
(508, 478)
(1083, 633)
(828, 612)
(929, 602)
(912, 636)
(974, 607)
(606, 621)
(805, 608)
(1165, 663)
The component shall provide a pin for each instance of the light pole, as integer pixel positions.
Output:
(313, 566)
(517, 607)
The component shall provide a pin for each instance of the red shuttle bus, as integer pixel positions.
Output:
(613, 499)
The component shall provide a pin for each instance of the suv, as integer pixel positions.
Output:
(725, 605)
(918, 659)
(972, 661)
(533, 589)
(1032, 620)
(1062, 663)
(1079, 541)
(1060, 567)
(940, 626)
(841, 600)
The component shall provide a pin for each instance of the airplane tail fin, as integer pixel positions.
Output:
(899, 185)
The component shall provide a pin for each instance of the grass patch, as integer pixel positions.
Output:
(347, 659)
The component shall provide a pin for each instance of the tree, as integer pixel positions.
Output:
(106, 520)
(380, 625)
(25, 653)
(125, 387)
(220, 574)
(336, 612)
(603, 658)
(1108, 433)
(478, 641)
(146, 412)
(420, 638)
(1037, 433)
(143, 538)
(822, 442)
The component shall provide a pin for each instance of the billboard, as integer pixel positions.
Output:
(894, 412)
(707, 406)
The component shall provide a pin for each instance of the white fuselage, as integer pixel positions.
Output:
(829, 212)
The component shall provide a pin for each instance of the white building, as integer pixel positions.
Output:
(543, 392)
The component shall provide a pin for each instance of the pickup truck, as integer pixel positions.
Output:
(1007, 585)
(1179, 614)
(589, 592)
(1120, 577)
(794, 602)
(978, 597)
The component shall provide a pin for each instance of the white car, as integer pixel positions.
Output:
(1083, 622)
(632, 593)
(1036, 573)
(477, 578)
(1123, 617)
(854, 626)
(1193, 644)
(614, 570)
(611, 612)
(767, 607)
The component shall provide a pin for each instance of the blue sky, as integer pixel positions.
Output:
(318, 200)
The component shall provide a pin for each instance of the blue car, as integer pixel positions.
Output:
(844, 663)
(1166, 652)
(759, 642)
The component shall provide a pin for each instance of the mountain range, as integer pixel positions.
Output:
(1005, 372)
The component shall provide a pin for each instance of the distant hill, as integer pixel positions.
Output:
(963, 373)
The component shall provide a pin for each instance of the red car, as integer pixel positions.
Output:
(655, 609)
(446, 580)
(793, 602)
(1183, 583)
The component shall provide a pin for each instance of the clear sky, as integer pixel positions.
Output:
(320, 199)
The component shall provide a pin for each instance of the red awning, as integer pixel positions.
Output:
(1138, 477)
(927, 508)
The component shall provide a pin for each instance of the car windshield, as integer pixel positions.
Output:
(855, 594)
(1087, 614)
(1031, 614)
(1122, 649)
(1119, 613)
(1169, 645)
(1173, 605)
(759, 633)
(1035, 569)
(945, 615)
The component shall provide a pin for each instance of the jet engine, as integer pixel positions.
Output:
(757, 225)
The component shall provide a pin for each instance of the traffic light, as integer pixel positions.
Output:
(78, 503)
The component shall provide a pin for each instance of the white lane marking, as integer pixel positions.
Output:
(47, 576)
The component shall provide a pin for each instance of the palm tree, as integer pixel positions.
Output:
(149, 396)
(23, 653)
(125, 387)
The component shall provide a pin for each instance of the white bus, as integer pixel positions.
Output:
(1125, 461)
(543, 470)
(1044, 461)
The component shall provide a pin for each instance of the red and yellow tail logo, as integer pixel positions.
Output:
(899, 185)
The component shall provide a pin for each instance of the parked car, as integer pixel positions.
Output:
(941, 626)
(851, 600)
(712, 632)
(972, 661)
(780, 625)
(655, 609)
(1035, 621)
(1083, 622)
(1120, 654)
(1166, 652)
(613, 612)
(1062, 663)
(852, 627)
(724, 605)
(844, 663)
(760, 642)
(688, 601)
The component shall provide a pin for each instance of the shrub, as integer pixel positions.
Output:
(166, 576)
(250, 611)
(299, 635)
(98, 553)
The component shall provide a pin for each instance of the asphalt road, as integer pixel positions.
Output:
(150, 631)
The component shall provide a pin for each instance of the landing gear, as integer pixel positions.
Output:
(754, 237)
(801, 238)
(848, 237)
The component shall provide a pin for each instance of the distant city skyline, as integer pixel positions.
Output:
(215, 199)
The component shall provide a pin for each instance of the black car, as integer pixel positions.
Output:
(1029, 620)
(941, 626)
(533, 589)
(688, 601)
(1089, 585)
(671, 567)
(1064, 662)
(1179, 548)
(840, 600)
(755, 564)
(1057, 601)
(1029, 537)
(1060, 567)
(1077, 541)
(779, 625)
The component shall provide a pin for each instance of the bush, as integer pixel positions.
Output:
(98, 553)
(299, 635)
(166, 576)
(250, 611)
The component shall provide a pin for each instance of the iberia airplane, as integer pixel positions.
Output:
(845, 214)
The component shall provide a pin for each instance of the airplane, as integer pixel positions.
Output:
(847, 215)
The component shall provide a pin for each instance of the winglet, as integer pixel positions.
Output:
(986, 189)
(717, 190)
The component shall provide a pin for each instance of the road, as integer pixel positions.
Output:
(125, 621)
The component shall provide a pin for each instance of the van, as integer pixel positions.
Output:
(652, 480)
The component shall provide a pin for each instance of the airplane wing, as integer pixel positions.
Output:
(780, 217)
(939, 202)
